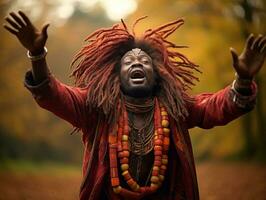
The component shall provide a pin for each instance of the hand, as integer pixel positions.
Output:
(28, 35)
(248, 64)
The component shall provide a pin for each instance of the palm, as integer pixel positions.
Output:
(251, 59)
(31, 38)
(28, 35)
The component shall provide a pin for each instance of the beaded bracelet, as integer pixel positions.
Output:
(38, 57)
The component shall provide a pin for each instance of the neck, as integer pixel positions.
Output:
(137, 101)
(139, 105)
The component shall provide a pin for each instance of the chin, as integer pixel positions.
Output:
(138, 91)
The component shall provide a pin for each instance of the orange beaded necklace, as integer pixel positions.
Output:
(119, 147)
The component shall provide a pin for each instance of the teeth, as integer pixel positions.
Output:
(138, 79)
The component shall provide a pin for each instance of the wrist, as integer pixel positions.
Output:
(244, 78)
(35, 57)
(242, 86)
(243, 82)
(35, 52)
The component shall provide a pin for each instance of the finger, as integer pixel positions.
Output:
(17, 19)
(256, 42)
(12, 23)
(234, 56)
(263, 49)
(10, 29)
(250, 41)
(24, 17)
(44, 30)
(262, 43)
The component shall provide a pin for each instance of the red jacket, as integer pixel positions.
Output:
(69, 103)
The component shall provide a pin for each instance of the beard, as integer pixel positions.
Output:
(137, 91)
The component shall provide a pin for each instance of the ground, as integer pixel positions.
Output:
(217, 181)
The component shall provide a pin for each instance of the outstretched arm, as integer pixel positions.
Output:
(33, 40)
(69, 103)
(219, 108)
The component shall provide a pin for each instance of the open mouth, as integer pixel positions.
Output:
(137, 76)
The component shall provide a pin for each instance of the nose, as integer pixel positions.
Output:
(136, 64)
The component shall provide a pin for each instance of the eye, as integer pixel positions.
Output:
(127, 62)
(145, 61)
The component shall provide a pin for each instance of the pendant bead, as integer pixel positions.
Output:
(126, 175)
(165, 161)
(115, 181)
(117, 189)
(165, 123)
(158, 142)
(166, 141)
(163, 167)
(161, 177)
(164, 113)
(121, 154)
(124, 167)
(130, 182)
(158, 148)
(124, 137)
(158, 153)
(154, 179)
(158, 137)
(157, 163)
(125, 153)
(157, 158)
(160, 131)
(134, 186)
(162, 171)
(124, 160)
(166, 130)
(137, 188)
(125, 146)
(155, 173)
(154, 186)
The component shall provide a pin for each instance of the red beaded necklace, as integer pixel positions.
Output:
(119, 147)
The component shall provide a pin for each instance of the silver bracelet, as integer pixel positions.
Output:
(243, 101)
(38, 57)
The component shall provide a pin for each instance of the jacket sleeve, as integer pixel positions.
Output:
(216, 109)
(68, 103)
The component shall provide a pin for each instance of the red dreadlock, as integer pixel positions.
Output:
(95, 66)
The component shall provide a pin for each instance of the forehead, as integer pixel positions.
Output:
(136, 53)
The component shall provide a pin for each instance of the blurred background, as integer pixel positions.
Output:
(38, 156)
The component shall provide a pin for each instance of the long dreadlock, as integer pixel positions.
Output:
(95, 66)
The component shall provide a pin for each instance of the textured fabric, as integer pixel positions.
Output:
(69, 103)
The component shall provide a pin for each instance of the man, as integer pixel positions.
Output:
(132, 107)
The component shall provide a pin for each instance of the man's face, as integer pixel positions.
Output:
(137, 74)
